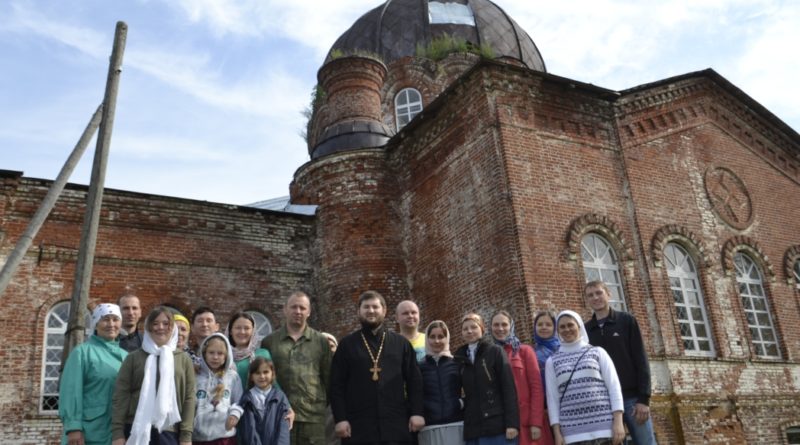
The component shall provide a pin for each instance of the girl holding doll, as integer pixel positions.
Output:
(218, 391)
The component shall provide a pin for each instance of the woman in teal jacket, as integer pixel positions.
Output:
(87, 382)
(242, 336)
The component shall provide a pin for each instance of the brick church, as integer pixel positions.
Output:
(448, 166)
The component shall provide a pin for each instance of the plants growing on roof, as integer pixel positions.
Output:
(440, 47)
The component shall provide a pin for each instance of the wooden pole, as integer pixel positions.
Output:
(49, 201)
(94, 200)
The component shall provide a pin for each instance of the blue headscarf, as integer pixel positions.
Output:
(544, 347)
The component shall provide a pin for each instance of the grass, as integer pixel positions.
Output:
(442, 46)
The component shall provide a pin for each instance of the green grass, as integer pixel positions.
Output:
(441, 47)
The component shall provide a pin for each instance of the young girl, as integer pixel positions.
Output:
(218, 391)
(265, 408)
(545, 344)
(491, 414)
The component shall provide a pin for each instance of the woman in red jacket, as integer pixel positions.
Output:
(527, 378)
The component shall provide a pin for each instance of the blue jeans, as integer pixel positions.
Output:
(642, 434)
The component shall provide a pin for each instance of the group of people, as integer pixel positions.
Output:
(575, 385)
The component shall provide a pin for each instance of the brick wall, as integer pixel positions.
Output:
(358, 245)
(179, 252)
(479, 203)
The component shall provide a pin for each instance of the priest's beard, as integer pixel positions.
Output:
(372, 326)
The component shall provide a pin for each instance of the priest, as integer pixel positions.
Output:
(376, 385)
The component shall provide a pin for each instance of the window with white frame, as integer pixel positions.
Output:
(54, 329)
(600, 263)
(263, 326)
(407, 104)
(689, 305)
(55, 326)
(756, 306)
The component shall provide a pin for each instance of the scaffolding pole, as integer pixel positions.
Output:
(49, 201)
(94, 199)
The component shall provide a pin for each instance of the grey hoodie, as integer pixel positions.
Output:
(209, 421)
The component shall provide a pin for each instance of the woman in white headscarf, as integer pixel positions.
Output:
(584, 399)
(154, 398)
(87, 382)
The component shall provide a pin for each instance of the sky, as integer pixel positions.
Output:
(212, 91)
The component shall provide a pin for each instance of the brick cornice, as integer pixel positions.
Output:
(592, 222)
(683, 236)
(653, 113)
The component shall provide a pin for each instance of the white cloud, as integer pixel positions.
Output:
(26, 20)
(193, 107)
(273, 93)
(769, 66)
(313, 24)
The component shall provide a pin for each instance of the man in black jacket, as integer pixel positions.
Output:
(129, 337)
(618, 333)
(376, 385)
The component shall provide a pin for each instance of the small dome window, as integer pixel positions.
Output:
(450, 13)
(407, 104)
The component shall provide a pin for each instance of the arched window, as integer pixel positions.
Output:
(54, 329)
(407, 104)
(263, 326)
(55, 326)
(600, 263)
(689, 305)
(797, 273)
(756, 307)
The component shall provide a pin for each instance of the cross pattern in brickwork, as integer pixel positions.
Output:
(729, 197)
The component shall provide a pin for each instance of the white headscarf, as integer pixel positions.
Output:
(101, 310)
(582, 340)
(158, 407)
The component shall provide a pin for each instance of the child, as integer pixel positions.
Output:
(218, 392)
(265, 407)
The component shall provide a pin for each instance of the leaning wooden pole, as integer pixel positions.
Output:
(49, 201)
(94, 200)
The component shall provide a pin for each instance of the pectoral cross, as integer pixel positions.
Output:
(375, 370)
(374, 357)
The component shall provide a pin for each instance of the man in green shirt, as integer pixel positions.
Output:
(302, 360)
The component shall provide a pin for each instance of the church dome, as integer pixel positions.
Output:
(394, 29)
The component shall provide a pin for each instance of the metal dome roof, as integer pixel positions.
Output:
(394, 29)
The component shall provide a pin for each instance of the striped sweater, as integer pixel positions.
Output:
(585, 412)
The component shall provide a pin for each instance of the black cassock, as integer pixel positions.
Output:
(378, 411)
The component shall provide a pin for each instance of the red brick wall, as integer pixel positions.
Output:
(459, 231)
(166, 250)
(478, 204)
(358, 244)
